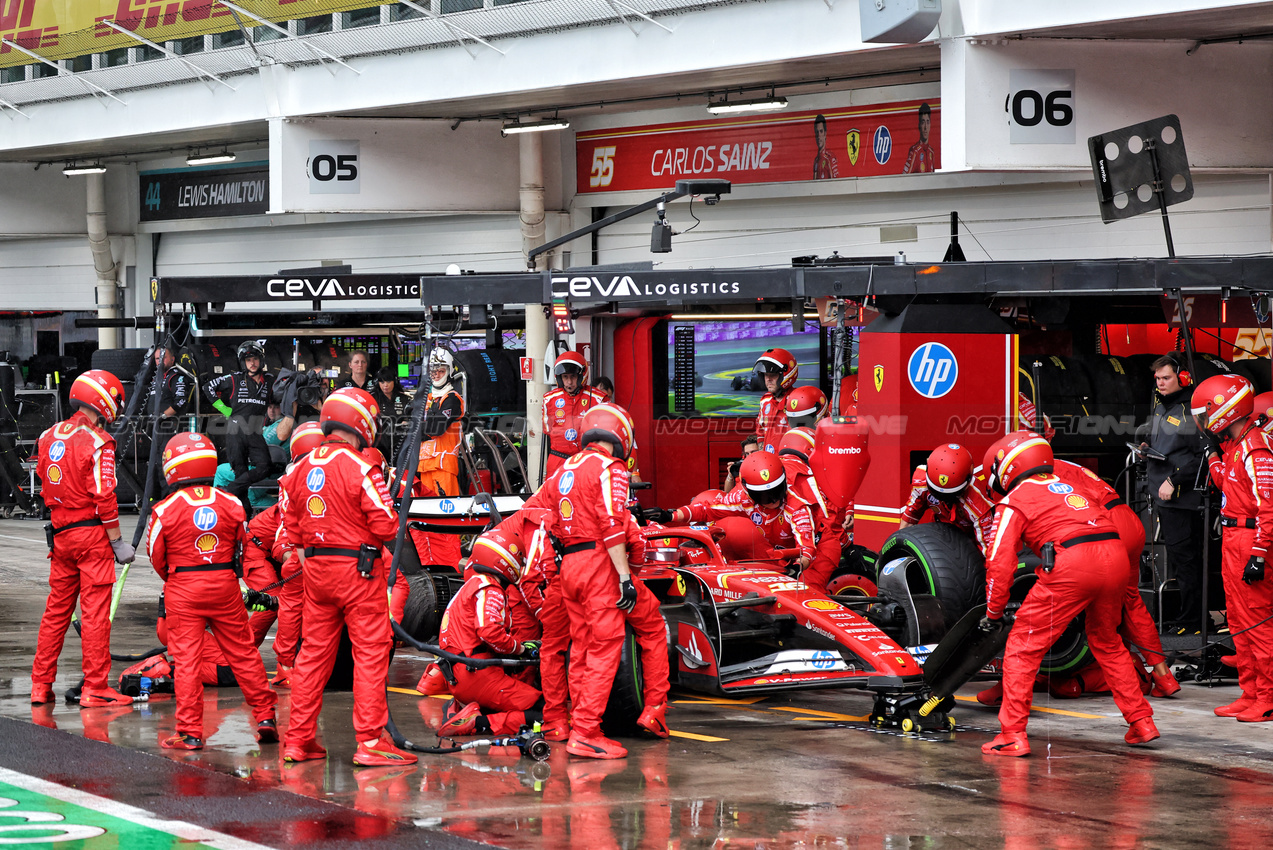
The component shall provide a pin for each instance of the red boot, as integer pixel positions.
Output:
(307, 751)
(1007, 744)
(433, 683)
(555, 730)
(182, 742)
(654, 720)
(1258, 712)
(41, 694)
(1142, 732)
(1236, 707)
(1165, 686)
(599, 747)
(381, 752)
(267, 731)
(282, 677)
(99, 697)
(462, 722)
(992, 696)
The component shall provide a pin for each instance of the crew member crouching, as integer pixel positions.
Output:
(947, 486)
(194, 538)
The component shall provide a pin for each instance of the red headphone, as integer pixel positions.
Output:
(1182, 374)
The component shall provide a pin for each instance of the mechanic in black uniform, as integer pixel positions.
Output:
(1173, 434)
(174, 395)
(244, 398)
(358, 377)
(393, 403)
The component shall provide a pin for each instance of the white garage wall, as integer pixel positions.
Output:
(47, 274)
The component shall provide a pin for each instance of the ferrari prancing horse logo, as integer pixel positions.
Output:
(855, 146)
(879, 378)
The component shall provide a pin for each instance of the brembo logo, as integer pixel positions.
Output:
(623, 286)
(850, 450)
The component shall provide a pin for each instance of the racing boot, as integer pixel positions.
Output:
(654, 720)
(1229, 661)
(1259, 712)
(1165, 685)
(41, 694)
(1142, 732)
(267, 731)
(992, 696)
(1008, 744)
(99, 697)
(282, 677)
(599, 747)
(182, 742)
(307, 751)
(433, 683)
(555, 730)
(381, 752)
(1070, 687)
(1236, 707)
(462, 722)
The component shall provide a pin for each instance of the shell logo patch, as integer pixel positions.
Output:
(566, 509)
(567, 482)
(943, 479)
(764, 475)
(316, 506)
(205, 518)
(999, 455)
(54, 474)
(791, 364)
(512, 547)
(1218, 399)
(1076, 501)
(822, 605)
(206, 544)
(57, 450)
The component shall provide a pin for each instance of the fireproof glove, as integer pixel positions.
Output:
(660, 515)
(124, 553)
(222, 408)
(530, 649)
(257, 600)
(1212, 442)
(627, 595)
(1254, 570)
(989, 624)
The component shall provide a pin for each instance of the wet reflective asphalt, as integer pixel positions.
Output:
(801, 770)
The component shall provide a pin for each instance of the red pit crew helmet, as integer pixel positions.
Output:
(305, 438)
(609, 423)
(1014, 458)
(1264, 409)
(101, 391)
(1221, 400)
(763, 476)
(798, 442)
(189, 457)
(571, 361)
(494, 553)
(949, 469)
(806, 402)
(353, 410)
(781, 361)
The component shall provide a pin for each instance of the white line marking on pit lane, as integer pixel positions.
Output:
(123, 811)
(32, 540)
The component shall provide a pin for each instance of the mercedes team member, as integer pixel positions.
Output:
(1240, 460)
(244, 398)
(174, 393)
(565, 406)
(780, 371)
(77, 467)
(359, 378)
(1090, 575)
(947, 486)
(338, 514)
(193, 541)
(1173, 434)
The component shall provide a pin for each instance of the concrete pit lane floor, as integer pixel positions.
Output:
(794, 770)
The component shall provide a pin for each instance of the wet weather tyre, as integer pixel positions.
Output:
(421, 616)
(952, 566)
(627, 694)
(123, 363)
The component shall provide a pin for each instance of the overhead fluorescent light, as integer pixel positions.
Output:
(761, 104)
(210, 158)
(73, 169)
(535, 126)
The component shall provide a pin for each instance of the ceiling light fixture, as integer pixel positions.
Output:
(760, 104)
(535, 126)
(73, 169)
(223, 155)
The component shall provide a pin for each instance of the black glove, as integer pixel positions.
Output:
(627, 595)
(989, 624)
(259, 601)
(530, 649)
(660, 515)
(1254, 570)
(1212, 442)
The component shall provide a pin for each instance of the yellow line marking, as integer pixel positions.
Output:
(693, 737)
(1050, 710)
(819, 715)
(414, 692)
(718, 701)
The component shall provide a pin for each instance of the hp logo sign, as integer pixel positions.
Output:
(883, 144)
(932, 370)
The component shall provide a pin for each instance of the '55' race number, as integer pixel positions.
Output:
(602, 167)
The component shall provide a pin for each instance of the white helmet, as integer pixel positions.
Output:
(441, 358)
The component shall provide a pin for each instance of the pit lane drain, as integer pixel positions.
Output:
(928, 737)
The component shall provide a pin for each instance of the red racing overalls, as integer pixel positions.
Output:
(335, 503)
(971, 512)
(828, 522)
(1090, 575)
(1245, 478)
(563, 414)
(192, 540)
(771, 422)
(787, 527)
(266, 562)
(77, 467)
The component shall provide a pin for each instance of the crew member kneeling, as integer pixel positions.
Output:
(338, 514)
(1090, 574)
(194, 536)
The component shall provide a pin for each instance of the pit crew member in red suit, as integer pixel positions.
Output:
(77, 467)
(565, 406)
(647, 623)
(829, 522)
(588, 498)
(338, 514)
(1241, 464)
(764, 497)
(780, 371)
(193, 544)
(947, 486)
(1090, 575)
